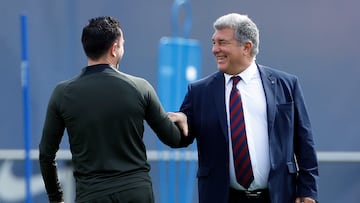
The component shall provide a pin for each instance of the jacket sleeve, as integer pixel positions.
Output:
(52, 133)
(304, 147)
(158, 120)
(187, 109)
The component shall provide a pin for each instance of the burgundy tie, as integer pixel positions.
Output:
(242, 163)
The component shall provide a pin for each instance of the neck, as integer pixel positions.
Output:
(103, 60)
(241, 68)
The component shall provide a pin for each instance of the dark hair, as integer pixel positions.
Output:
(98, 36)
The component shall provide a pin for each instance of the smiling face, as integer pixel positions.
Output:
(231, 57)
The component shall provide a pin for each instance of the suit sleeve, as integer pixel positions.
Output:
(187, 109)
(304, 148)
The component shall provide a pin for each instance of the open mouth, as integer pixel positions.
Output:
(221, 59)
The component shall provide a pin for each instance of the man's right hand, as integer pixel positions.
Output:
(180, 120)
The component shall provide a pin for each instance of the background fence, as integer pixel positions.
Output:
(336, 159)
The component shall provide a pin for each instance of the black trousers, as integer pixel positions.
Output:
(237, 196)
(141, 194)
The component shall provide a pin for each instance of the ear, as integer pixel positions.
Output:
(247, 48)
(113, 49)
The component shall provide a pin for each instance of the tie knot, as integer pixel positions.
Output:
(235, 80)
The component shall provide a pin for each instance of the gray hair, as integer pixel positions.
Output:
(245, 29)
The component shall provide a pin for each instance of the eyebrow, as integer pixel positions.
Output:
(221, 40)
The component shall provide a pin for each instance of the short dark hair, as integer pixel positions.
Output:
(98, 36)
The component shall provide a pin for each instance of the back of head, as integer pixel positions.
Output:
(244, 28)
(98, 36)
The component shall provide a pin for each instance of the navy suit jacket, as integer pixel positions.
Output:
(289, 133)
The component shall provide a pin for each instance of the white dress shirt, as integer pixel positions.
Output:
(254, 106)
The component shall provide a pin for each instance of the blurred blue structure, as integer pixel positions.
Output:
(26, 106)
(179, 64)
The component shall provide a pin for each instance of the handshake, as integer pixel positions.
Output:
(180, 120)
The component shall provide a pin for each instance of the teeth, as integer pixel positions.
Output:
(220, 58)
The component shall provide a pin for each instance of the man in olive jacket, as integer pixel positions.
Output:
(103, 111)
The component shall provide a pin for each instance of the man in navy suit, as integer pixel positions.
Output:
(278, 130)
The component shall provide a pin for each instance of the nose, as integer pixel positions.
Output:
(215, 48)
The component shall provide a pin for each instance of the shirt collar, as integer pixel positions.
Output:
(246, 75)
(98, 68)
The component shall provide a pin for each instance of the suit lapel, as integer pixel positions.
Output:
(269, 84)
(217, 89)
